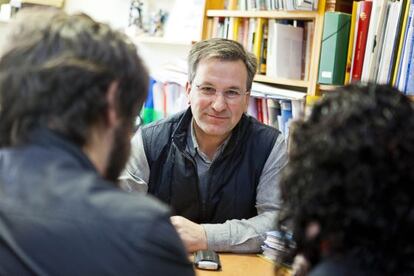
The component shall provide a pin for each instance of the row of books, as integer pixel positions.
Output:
(266, 5)
(271, 106)
(278, 247)
(273, 112)
(275, 106)
(281, 46)
(373, 44)
(164, 99)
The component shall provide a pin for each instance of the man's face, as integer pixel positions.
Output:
(120, 150)
(216, 115)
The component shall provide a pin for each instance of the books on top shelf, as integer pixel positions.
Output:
(268, 5)
(282, 47)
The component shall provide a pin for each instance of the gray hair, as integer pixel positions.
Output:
(221, 49)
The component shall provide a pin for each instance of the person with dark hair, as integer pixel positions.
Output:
(347, 189)
(216, 166)
(70, 90)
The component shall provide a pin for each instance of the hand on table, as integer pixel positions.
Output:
(192, 234)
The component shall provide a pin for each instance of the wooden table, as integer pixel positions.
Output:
(243, 264)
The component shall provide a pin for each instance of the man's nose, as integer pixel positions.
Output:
(219, 102)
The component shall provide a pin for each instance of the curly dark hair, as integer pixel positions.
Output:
(55, 72)
(351, 173)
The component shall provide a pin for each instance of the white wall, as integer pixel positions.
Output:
(114, 12)
(2, 32)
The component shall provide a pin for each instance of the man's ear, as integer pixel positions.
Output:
(188, 90)
(247, 101)
(111, 110)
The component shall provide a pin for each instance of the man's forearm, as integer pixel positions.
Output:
(242, 236)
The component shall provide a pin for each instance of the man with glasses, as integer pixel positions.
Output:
(215, 166)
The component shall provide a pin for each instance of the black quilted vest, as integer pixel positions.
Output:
(233, 176)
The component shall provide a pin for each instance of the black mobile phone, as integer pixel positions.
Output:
(207, 259)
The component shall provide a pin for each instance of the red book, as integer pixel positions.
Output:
(259, 110)
(361, 39)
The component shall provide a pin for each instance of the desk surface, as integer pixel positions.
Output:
(242, 264)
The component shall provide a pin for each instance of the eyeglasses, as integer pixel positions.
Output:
(209, 91)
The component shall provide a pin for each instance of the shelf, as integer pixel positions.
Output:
(328, 88)
(294, 15)
(287, 82)
(53, 3)
(161, 40)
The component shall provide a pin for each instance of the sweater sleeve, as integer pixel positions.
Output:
(136, 173)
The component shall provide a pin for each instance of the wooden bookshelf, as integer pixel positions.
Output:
(53, 3)
(328, 88)
(215, 8)
(286, 82)
(295, 15)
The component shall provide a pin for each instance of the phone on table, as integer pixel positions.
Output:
(207, 259)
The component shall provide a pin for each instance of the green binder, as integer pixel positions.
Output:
(332, 64)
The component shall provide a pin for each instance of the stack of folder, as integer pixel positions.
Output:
(279, 247)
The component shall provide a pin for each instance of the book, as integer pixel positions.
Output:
(284, 52)
(351, 43)
(409, 85)
(389, 44)
(258, 38)
(361, 39)
(231, 5)
(374, 40)
(252, 107)
(402, 27)
(308, 31)
(334, 48)
(273, 110)
(263, 51)
(251, 34)
(286, 116)
(406, 50)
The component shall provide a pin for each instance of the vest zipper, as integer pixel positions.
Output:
(202, 208)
